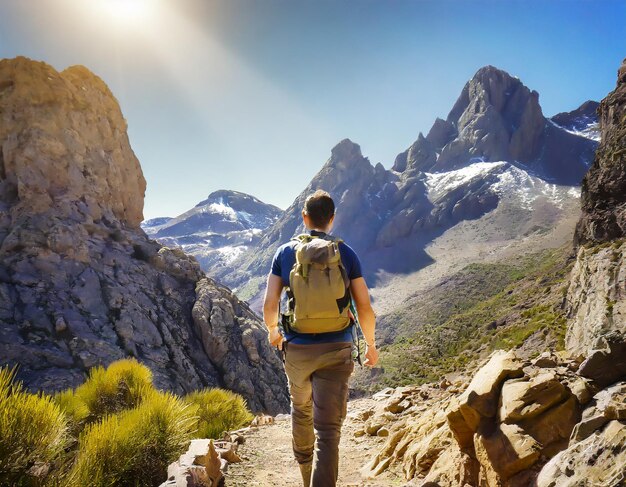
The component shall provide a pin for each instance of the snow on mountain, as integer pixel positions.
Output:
(217, 230)
(589, 129)
(153, 225)
(507, 181)
(582, 121)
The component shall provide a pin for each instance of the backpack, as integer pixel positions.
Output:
(318, 291)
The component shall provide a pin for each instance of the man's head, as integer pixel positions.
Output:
(319, 211)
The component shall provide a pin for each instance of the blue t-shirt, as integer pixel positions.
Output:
(285, 258)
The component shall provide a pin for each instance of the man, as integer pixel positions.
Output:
(318, 365)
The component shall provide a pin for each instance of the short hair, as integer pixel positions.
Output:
(320, 208)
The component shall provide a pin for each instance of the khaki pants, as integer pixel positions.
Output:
(318, 385)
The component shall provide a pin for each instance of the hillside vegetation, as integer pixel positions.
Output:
(483, 307)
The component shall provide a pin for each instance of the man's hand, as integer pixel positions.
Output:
(371, 356)
(276, 338)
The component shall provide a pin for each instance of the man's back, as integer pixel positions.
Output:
(318, 365)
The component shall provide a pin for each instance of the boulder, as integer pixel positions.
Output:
(553, 428)
(452, 468)
(607, 364)
(607, 405)
(598, 460)
(199, 466)
(481, 398)
(524, 399)
(505, 452)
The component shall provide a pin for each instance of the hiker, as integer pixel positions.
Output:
(321, 275)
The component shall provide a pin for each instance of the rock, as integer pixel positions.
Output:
(480, 399)
(525, 399)
(598, 460)
(399, 401)
(607, 405)
(545, 360)
(452, 468)
(505, 452)
(383, 432)
(611, 402)
(86, 286)
(595, 305)
(262, 420)
(604, 209)
(607, 364)
(200, 466)
(553, 428)
(580, 388)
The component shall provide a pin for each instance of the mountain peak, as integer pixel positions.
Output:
(497, 118)
(346, 149)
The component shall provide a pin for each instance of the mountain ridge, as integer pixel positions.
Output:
(383, 213)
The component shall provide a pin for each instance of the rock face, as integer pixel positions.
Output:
(604, 186)
(217, 230)
(596, 301)
(80, 283)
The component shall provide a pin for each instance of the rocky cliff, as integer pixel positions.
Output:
(80, 283)
(597, 303)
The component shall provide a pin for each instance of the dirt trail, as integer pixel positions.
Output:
(268, 458)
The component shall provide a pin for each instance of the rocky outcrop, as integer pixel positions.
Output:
(596, 300)
(604, 186)
(80, 283)
(517, 423)
(497, 118)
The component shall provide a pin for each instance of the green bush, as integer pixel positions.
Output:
(218, 411)
(122, 385)
(134, 448)
(33, 430)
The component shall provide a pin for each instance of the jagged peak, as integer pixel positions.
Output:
(346, 149)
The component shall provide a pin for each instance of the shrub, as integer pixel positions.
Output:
(122, 385)
(134, 448)
(74, 409)
(218, 411)
(33, 430)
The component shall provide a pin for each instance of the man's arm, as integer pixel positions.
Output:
(367, 318)
(271, 304)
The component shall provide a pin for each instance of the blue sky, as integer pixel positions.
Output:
(251, 95)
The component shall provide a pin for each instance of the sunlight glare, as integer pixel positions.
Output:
(127, 11)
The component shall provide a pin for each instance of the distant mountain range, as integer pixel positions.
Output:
(494, 151)
(217, 230)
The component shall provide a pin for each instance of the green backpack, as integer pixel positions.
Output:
(318, 291)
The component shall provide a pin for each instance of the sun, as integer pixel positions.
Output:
(127, 11)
